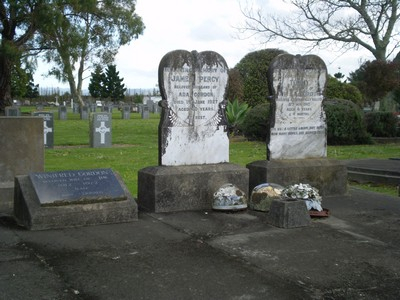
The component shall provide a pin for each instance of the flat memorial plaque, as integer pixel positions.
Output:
(79, 187)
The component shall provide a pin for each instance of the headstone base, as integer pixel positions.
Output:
(289, 214)
(6, 197)
(30, 214)
(182, 188)
(329, 176)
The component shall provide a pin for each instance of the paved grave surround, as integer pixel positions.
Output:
(47, 200)
(22, 151)
(193, 138)
(297, 140)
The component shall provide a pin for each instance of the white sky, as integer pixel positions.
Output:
(197, 25)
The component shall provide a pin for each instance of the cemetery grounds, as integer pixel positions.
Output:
(135, 146)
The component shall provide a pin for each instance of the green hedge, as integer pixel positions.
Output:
(256, 123)
(382, 124)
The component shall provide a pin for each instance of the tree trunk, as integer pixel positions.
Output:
(5, 83)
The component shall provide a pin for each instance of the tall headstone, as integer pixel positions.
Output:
(62, 112)
(48, 128)
(100, 130)
(298, 125)
(22, 151)
(193, 128)
(297, 141)
(12, 111)
(193, 138)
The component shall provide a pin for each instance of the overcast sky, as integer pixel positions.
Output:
(197, 25)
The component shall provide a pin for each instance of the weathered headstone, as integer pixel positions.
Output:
(84, 111)
(12, 111)
(297, 141)
(22, 151)
(298, 127)
(107, 108)
(145, 111)
(48, 127)
(126, 112)
(62, 112)
(193, 138)
(61, 199)
(193, 127)
(100, 130)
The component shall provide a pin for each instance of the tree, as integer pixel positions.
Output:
(96, 85)
(113, 86)
(19, 21)
(347, 23)
(88, 32)
(376, 78)
(32, 89)
(253, 71)
(335, 89)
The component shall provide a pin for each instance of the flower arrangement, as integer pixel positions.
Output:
(304, 191)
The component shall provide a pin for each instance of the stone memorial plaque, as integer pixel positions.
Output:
(48, 127)
(298, 125)
(193, 127)
(145, 111)
(126, 112)
(100, 130)
(76, 187)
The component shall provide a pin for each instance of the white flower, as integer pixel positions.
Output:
(304, 192)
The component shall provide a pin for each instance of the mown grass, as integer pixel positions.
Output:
(135, 146)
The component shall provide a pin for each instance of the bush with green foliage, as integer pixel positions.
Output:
(335, 89)
(345, 123)
(253, 71)
(256, 123)
(381, 124)
(235, 115)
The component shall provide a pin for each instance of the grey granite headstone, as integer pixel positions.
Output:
(100, 130)
(84, 111)
(298, 125)
(48, 127)
(22, 151)
(47, 200)
(145, 111)
(193, 126)
(62, 112)
(126, 112)
(12, 111)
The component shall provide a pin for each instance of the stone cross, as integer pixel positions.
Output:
(102, 129)
(46, 131)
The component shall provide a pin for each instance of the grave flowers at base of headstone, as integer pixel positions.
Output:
(304, 191)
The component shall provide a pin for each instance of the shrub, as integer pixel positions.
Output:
(256, 123)
(235, 114)
(345, 123)
(381, 124)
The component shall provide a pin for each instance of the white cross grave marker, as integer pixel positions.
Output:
(102, 130)
(46, 131)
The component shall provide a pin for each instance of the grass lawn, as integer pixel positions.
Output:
(135, 146)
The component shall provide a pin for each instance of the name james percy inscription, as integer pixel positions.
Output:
(82, 186)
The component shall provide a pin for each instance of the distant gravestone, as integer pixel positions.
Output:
(62, 112)
(126, 112)
(298, 126)
(107, 108)
(12, 111)
(92, 107)
(84, 111)
(193, 129)
(46, 200)
(100, 130)
(48, 127)
(145, 111)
